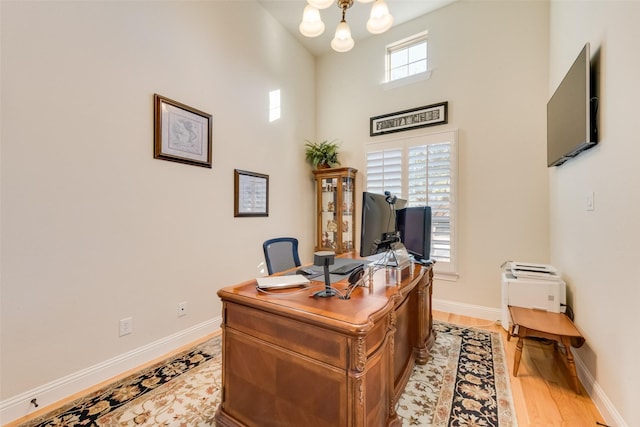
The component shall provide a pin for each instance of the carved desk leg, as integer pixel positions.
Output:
(426, 336)
(391, 330)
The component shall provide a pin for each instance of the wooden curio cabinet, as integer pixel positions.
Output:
(335, 189)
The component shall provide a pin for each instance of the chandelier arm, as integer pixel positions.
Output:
(344, 5)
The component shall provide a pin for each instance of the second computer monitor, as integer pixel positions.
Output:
(414, 225)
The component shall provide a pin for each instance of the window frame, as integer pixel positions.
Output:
(442, 270)
(403, 44)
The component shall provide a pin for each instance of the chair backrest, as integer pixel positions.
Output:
(281, 254)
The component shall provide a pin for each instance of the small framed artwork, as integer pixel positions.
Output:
(251, 194)
(429, 115)
(181, 133)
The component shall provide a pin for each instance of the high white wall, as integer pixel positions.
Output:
(489, 61)
(93, 228)
(598, 250)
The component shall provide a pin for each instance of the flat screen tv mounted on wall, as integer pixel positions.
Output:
(571, 113)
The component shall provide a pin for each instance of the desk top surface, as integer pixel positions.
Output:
(355, 313)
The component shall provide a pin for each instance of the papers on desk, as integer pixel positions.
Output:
(281, 282)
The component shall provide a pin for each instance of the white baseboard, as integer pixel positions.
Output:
(609, 413)
(47, 394)
(477, 311)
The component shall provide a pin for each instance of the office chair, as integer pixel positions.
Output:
(281, 254)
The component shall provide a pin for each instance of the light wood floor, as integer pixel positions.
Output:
(542, 391)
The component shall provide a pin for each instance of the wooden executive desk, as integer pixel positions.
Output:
(293, 360)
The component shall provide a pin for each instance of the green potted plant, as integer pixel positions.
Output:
(322, 154)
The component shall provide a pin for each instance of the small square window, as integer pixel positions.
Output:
(407, 57)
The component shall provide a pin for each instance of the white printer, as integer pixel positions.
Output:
(531, 285)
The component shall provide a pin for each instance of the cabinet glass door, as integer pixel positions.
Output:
(329, 230)
(348, 208)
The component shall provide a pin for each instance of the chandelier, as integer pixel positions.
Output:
(380, 20)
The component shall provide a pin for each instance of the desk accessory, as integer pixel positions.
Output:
(325, 259)
(282, 282)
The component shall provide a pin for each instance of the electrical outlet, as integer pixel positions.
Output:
(182, 309)
(126, 326)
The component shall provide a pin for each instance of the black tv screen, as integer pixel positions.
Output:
(378, 218)
(571, 127)
(414, 224)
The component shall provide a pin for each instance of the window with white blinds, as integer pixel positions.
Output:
(422, 170)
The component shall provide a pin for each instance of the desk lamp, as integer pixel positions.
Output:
(325, 258)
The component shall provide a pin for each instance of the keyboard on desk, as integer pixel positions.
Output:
(346, 268)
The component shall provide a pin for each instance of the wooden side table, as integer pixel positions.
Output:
(528, 322)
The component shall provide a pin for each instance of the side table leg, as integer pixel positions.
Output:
(566, 342)
(516, 363)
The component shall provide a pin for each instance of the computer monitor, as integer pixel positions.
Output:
(414, 225)
(378, 219)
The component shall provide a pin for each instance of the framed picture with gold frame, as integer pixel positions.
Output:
(181, 133)
(251, 194)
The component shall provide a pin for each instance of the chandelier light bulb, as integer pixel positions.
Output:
(342, 42)
(380, 20)
(321, 4)
(311, 25)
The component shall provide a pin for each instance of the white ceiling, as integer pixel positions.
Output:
(289, 14)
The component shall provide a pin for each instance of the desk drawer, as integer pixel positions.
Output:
(268, 386)
(320, 344)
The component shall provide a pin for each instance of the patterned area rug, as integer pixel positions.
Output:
(465, 383)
